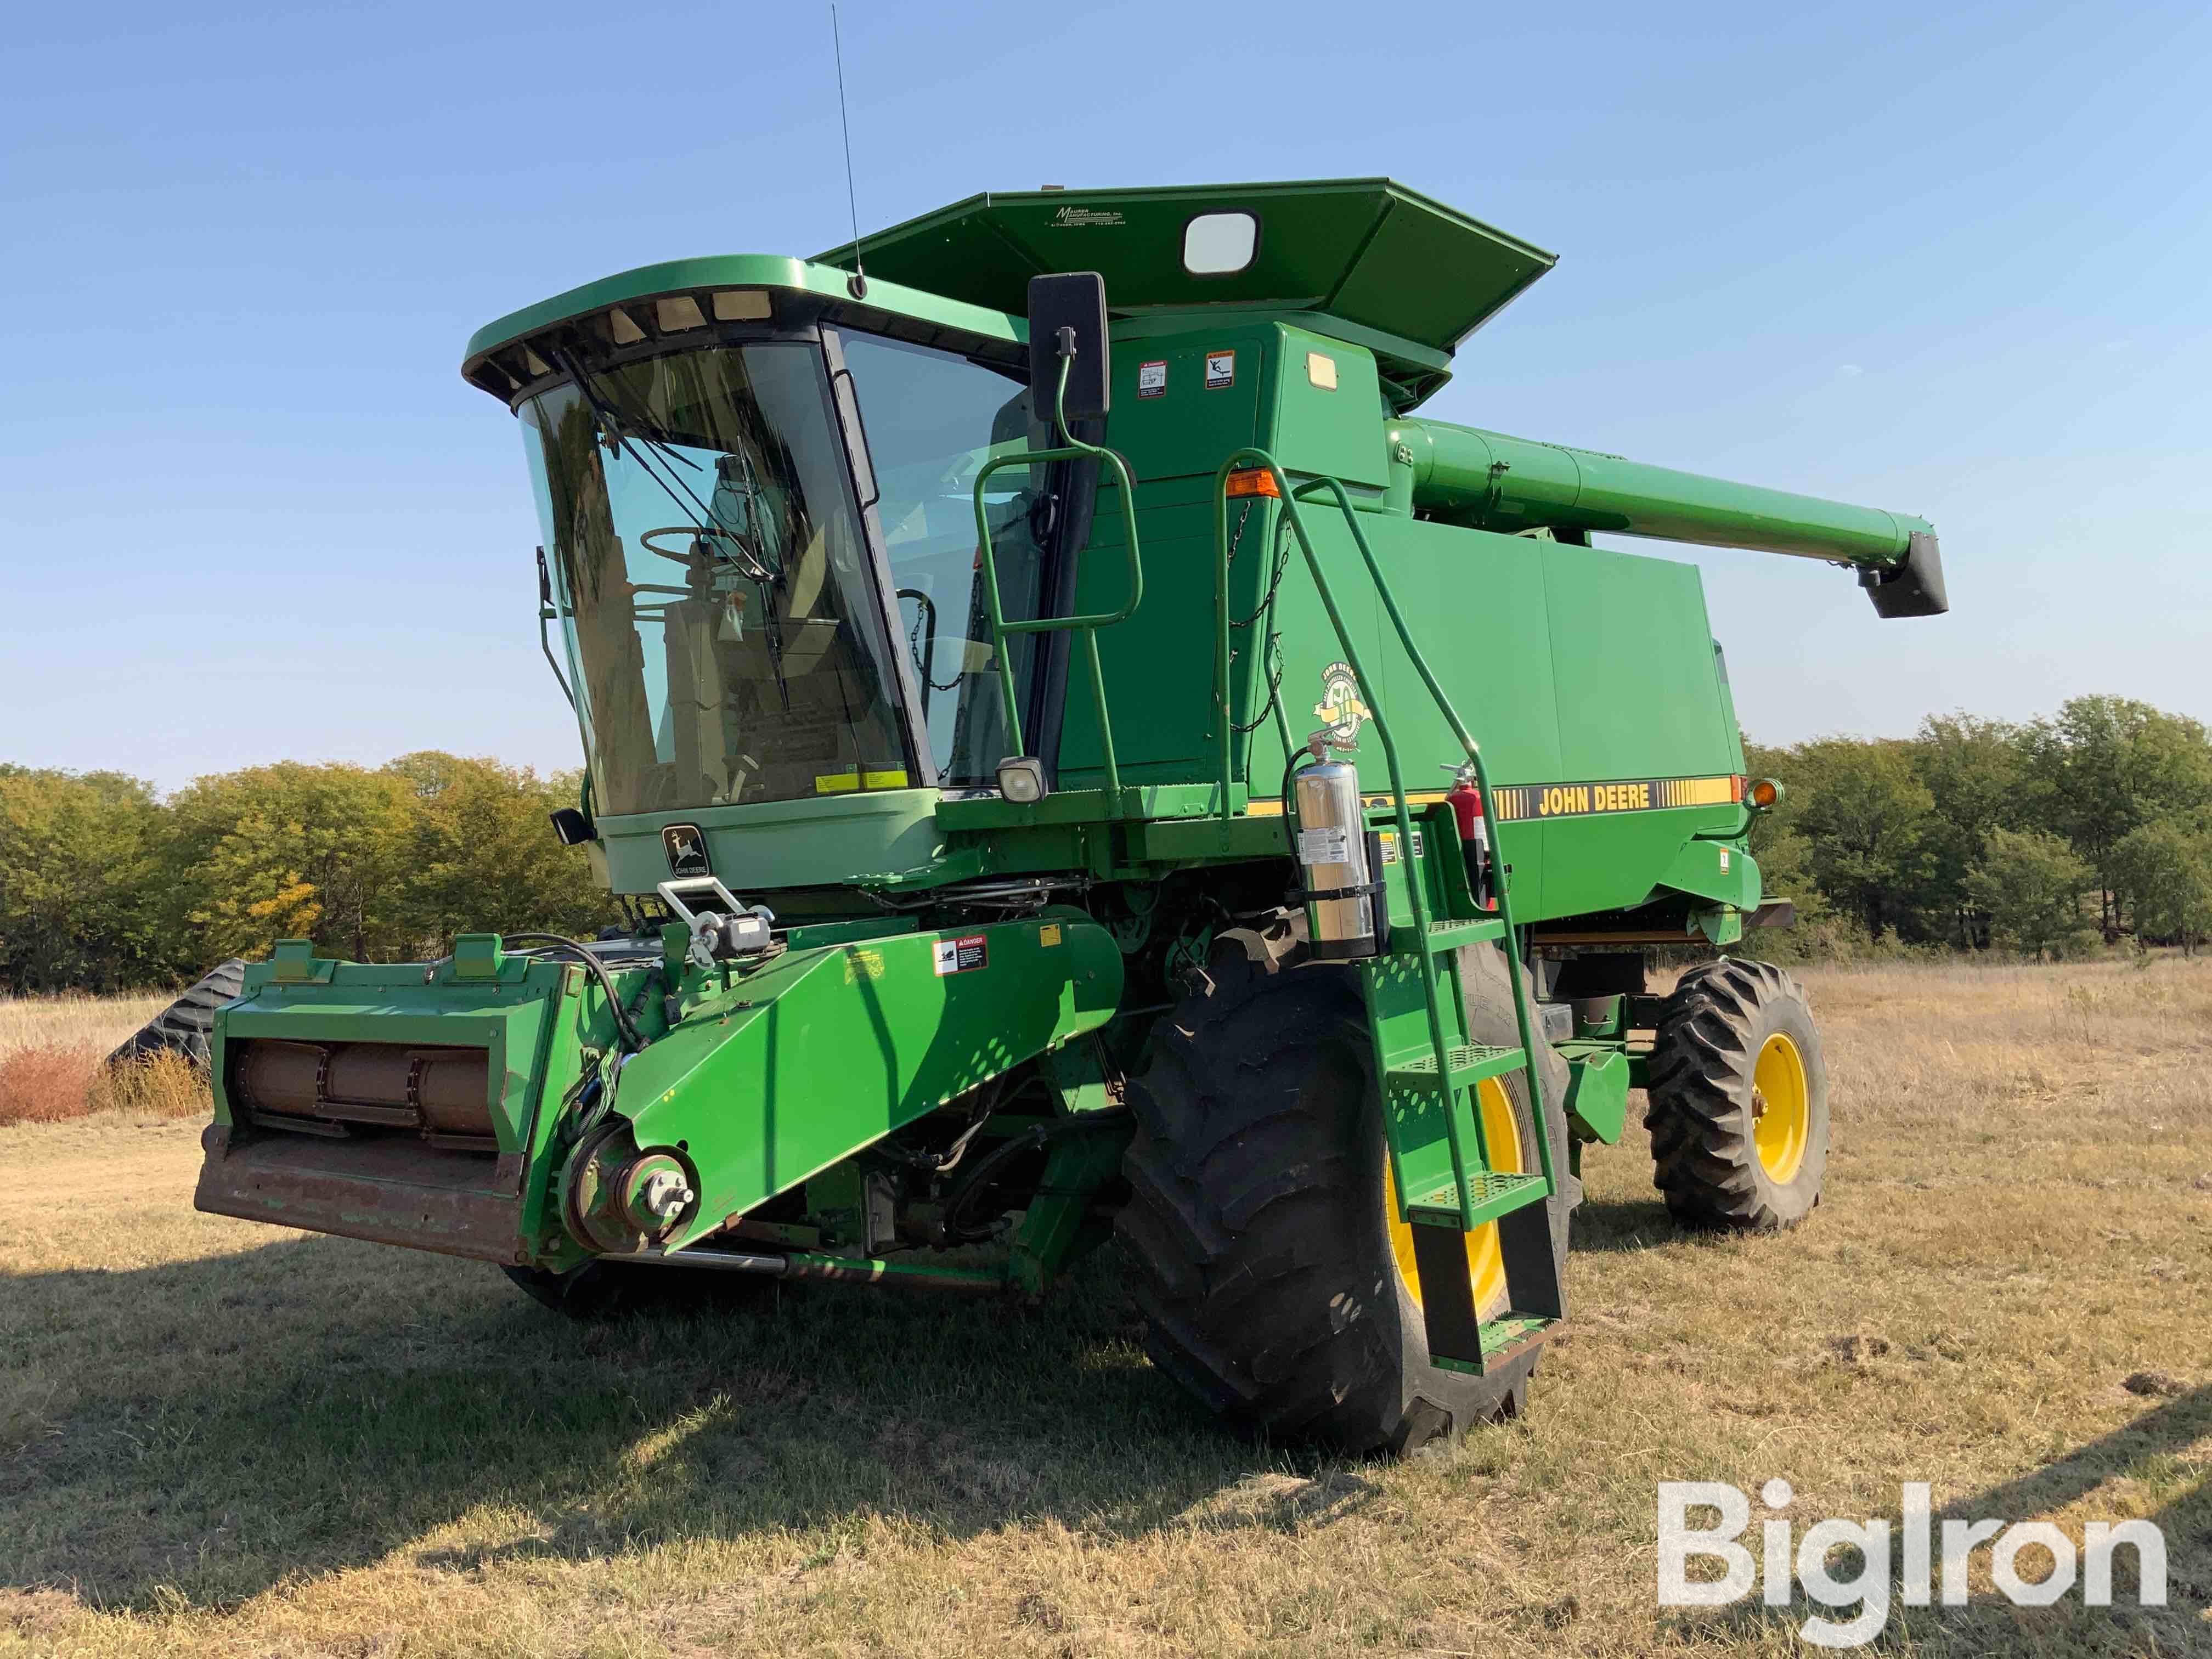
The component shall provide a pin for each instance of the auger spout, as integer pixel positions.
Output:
(1488, 481)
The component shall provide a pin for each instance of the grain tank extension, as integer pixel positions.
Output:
(1078, 754)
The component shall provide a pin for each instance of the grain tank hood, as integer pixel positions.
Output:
(1390, 269)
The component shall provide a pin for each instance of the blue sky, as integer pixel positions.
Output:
(1954, 261)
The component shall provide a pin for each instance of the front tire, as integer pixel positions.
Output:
(1258, 1222)
(1738, 1099)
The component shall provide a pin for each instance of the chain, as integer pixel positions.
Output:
(1274, 684)
(1274, 645)
(913, 650)
(1237, 535)
(1274, 577)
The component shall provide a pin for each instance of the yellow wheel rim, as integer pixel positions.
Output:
(1781, 1107)
(1485, 1266)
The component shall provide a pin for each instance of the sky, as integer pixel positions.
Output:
(1946, 260)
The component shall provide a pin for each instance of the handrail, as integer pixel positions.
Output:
(1489, 814)
(1074, 449)
(1416, 899)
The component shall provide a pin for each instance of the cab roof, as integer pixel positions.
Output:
(1386, 266)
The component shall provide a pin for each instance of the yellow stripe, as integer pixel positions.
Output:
(1274, 809)
(1520, 802)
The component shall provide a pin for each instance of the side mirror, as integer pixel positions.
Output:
(1067, 320)
(571, 828)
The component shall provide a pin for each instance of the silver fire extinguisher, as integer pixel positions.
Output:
(1341, 862)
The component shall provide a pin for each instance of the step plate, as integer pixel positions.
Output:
(1504, 1339)
(1471, 1063)
(1492, 1195)
(1443, 936)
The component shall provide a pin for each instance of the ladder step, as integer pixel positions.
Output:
(1494, 1195)
(1406, 940)
(1471, 1063)
(1503, 1339)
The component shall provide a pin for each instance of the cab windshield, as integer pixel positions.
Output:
(714, 573)
(713, 581)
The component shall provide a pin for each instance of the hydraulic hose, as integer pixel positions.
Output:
(575, 948)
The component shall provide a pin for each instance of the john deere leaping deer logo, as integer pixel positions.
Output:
(1339, 705)
(687, 850)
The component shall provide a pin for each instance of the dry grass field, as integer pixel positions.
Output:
(50, 1050)
(215, 1439)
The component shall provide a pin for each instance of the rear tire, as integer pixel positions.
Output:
(1723, 1154)
(1257, 1223)
(182, 1028)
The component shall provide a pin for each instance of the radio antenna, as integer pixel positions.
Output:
(858, 280)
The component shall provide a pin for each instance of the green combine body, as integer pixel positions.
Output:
(960, 710)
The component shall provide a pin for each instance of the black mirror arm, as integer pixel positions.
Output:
(545, 614)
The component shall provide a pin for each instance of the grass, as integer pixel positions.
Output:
(74, 1022)
(220, 1440)
(52, 1050)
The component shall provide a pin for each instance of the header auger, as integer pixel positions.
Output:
(1078, 754)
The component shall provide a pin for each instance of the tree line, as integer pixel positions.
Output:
(105, 884)
(2051, 837)
(2047, 837)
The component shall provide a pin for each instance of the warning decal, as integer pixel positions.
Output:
(1390, 846)
(1220, 370)
(961, 956)
(1328, 844)
(1151, 379)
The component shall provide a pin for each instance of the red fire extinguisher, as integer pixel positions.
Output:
(1474, 839)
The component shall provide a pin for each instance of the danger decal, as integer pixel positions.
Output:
(962, 955)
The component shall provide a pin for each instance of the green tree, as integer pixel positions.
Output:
(2031, 884)
(2164, 868)
(1865, 817)
(79, 859)
(1976, 772)
(1785, 867)
(2105, 765)
(482, 856)
(291, 851)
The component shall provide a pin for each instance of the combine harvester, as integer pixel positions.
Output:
(1078, 755)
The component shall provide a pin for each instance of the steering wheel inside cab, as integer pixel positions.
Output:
(716, 543)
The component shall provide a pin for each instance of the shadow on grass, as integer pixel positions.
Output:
(202, 1431)
(2149, 1449)
(1616, 1223)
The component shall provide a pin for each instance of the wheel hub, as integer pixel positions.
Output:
(1781, 1107)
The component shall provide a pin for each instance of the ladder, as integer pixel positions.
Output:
(1430, 1067)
